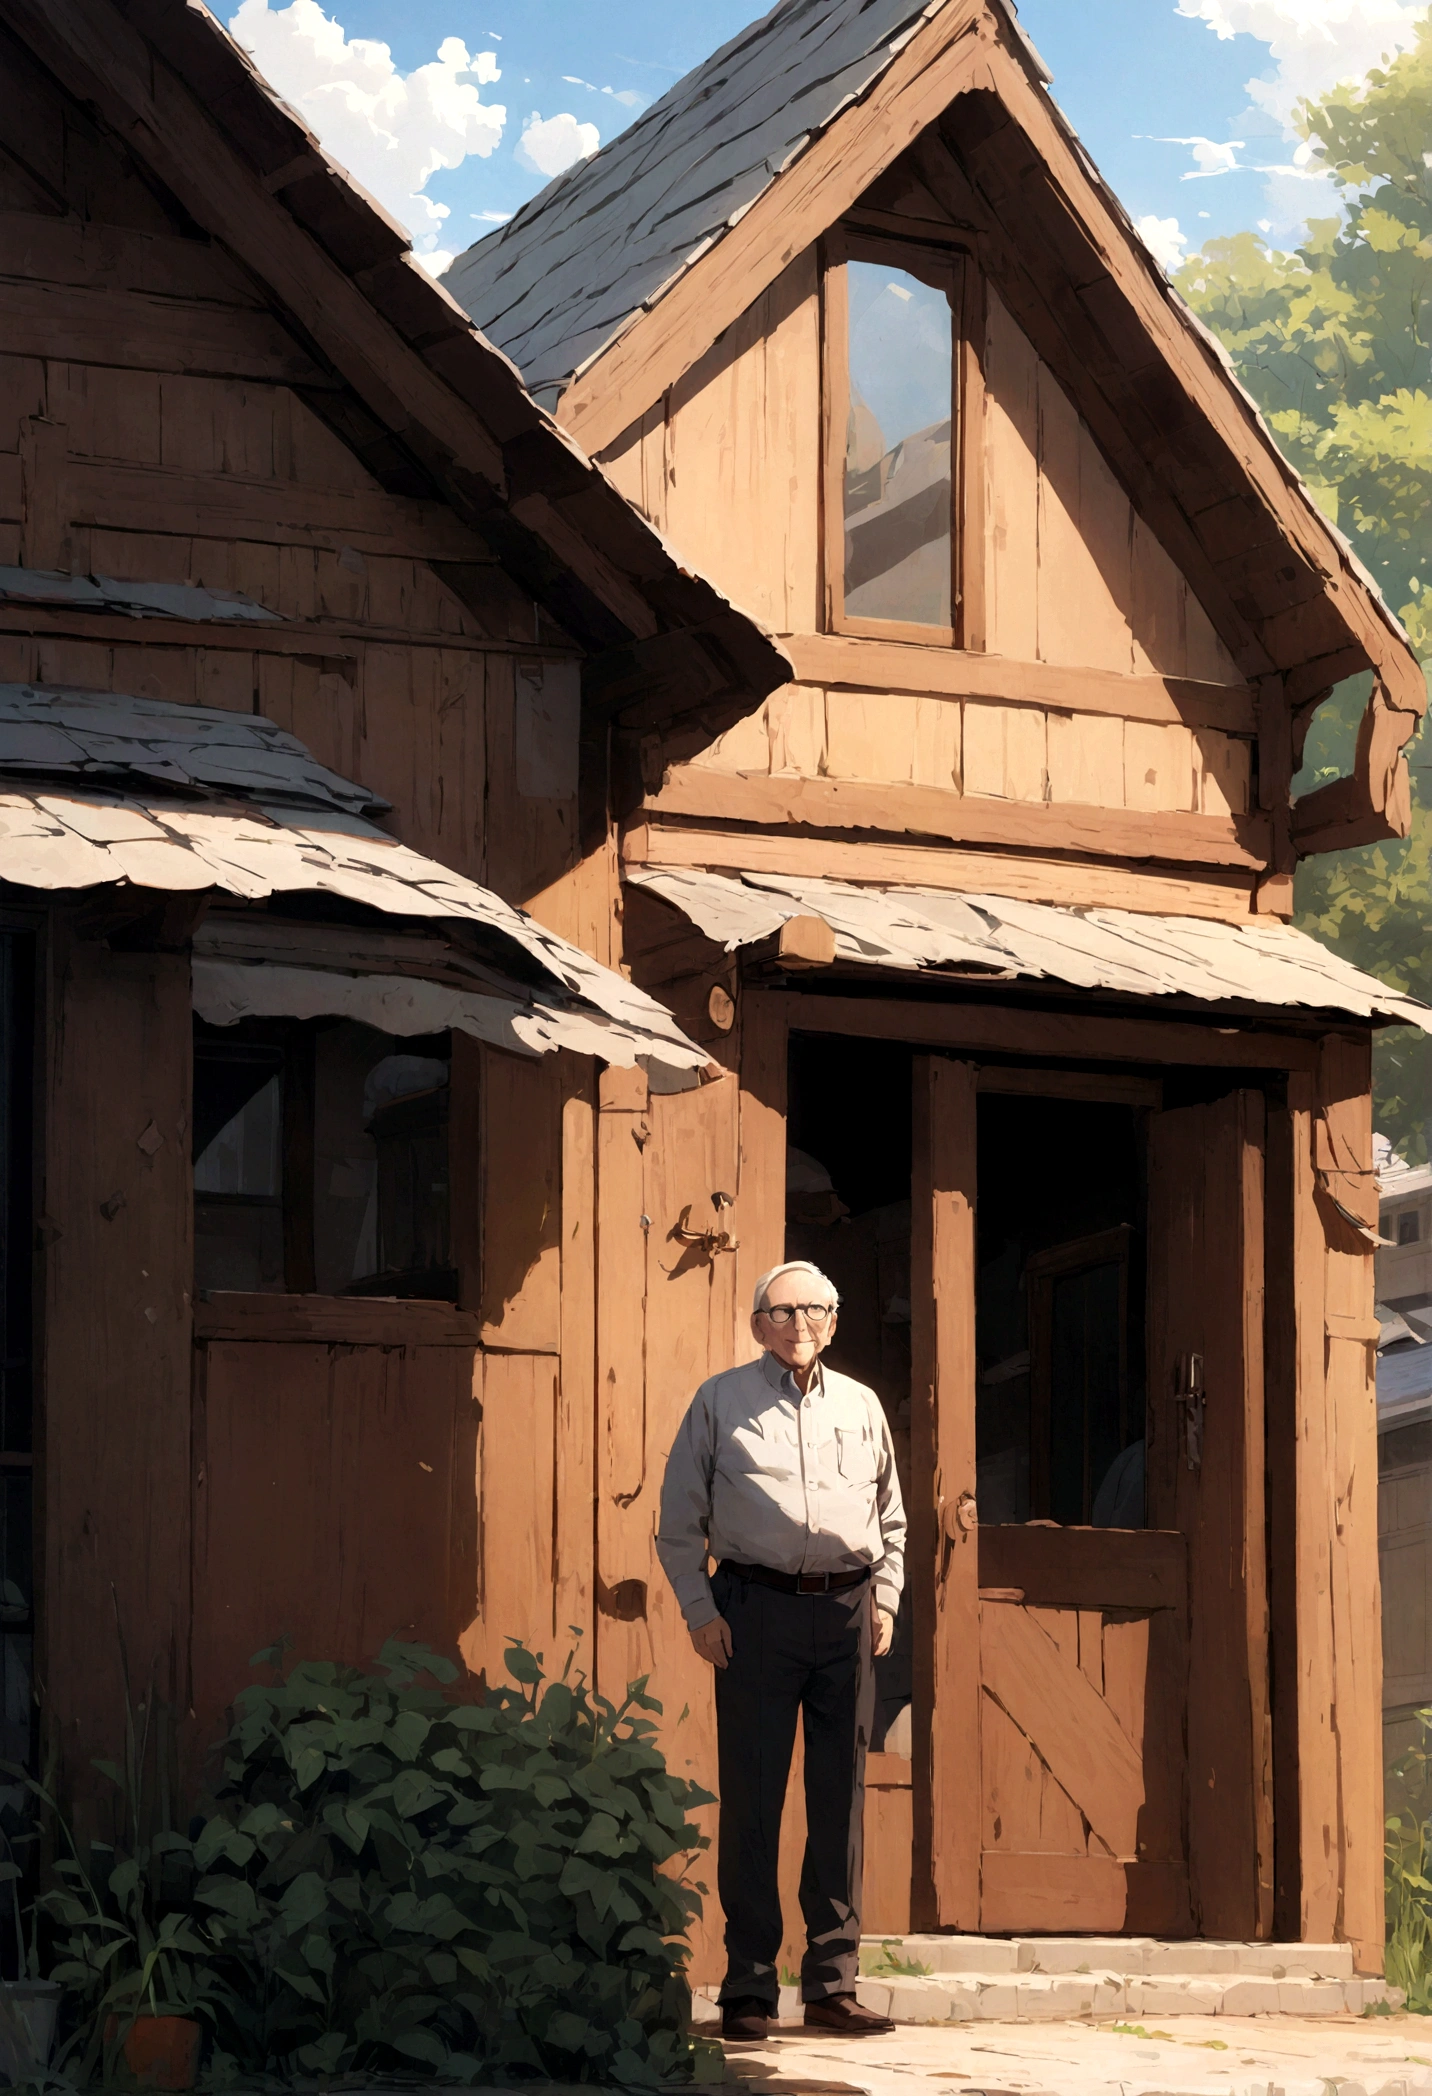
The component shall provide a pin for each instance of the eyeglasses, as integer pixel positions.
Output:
(815, 1314)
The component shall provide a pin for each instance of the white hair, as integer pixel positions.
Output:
(792, 1266)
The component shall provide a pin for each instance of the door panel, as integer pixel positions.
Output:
(1206, 1478)
(1081, 1730)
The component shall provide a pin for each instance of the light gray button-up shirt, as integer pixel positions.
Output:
(763, 1475)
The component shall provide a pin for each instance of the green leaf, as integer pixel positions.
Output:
(521, 1664)
(303, 1902)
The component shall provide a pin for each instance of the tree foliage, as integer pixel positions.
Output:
(1334, 342)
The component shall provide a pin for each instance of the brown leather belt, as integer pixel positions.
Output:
(796, 1582)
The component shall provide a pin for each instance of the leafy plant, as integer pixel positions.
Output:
(395, 1880)
(1409, 1873)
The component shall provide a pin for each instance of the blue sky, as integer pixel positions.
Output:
(1184, 104)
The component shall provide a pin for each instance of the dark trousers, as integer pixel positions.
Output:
(807, 1653)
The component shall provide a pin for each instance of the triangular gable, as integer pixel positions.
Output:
(758, 152)
(429, 407)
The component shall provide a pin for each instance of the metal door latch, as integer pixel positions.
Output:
(711, 1241)
(1189, 1394)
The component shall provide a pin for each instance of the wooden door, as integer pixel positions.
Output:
(1100, 1692)
(1206, 1479)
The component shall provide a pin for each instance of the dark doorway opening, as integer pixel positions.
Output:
(848, 1209)
(1059, 1329)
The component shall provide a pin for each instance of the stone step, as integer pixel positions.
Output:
(1128, 1956)
(1129, 1979)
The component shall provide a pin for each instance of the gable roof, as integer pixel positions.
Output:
(432, 405)
(613, 282)
(574, 266)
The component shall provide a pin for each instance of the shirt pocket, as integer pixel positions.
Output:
(855, 1455)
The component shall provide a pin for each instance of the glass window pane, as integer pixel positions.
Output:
(380, 1212)
(243, 1158)
(898, 448)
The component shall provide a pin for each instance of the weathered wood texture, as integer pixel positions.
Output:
(944, 1554)
(115, 1261)
(334, 1504)
(1206, 1477)
(1341, 1618)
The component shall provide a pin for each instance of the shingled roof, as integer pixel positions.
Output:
(567, 273)
(613, 283)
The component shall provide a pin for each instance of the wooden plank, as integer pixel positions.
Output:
(974, 482)
(1158, 768)
(1113, 1090)
(114, 1275)
(664, 342)
(1055, 1705)
(1083, 1895)
(968, 1028)
(340, 640)
(575, 1485)
(1011, 437)
(44, 524)
(1206, 1283)
(624, 1490)
(1004, 756)
(517, 1493)
(885, 1903)
(334, 1503)
(993, 759)
(1084, 533)
(102, 324)
(277, 512)
(87, 254)
(1085, 1568)
(944, 1578)
(331, 1320)
(1349, 1507)
(1015, 678)
(1222, 894)
(521, 1166)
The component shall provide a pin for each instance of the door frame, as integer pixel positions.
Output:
(944, 1893)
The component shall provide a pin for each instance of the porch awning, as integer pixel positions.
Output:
(529, 990)
(1261, 962)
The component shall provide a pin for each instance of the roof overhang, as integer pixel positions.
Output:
(1261, 964)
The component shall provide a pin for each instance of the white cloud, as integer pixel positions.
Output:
(391, 130)
(548, 146)
(627, 96)
(1163, 239)
(1314, 44)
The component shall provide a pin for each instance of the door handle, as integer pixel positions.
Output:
(1189, 1396)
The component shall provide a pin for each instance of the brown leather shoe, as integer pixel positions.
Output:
(842, 2015)
(746, 2018)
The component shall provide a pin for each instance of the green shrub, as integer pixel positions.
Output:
(1409, 1872)
(397, 1881)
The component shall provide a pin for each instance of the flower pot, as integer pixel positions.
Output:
(161, 2052)
(28, 2009)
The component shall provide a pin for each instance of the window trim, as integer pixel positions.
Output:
(945, 267)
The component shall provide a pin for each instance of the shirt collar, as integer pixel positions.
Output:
(780, 1378)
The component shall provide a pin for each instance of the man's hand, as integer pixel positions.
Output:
(882, 1629)
(713, 1641)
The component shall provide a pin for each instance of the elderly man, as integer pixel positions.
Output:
(783, 1471)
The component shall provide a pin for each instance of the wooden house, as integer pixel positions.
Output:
(300, 1112)
(987, 909)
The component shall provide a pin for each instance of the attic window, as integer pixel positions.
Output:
(891, 368)
(1409, 1227)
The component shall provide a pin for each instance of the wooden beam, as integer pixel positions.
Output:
(665, 340)
(1076, 1035)
(129, 330)
(944, 1536)
(1064, 827)
(1222, 893)
(220, 1314)
(1088, 1085)
(881, 665)
(1086, 1567)
(273, 512)
(342, 640)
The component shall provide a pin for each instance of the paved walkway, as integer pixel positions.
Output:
(1190, 2056)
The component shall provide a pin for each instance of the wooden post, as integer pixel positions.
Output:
(1348, 1502)
(943, 1571)
(117, 1271)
